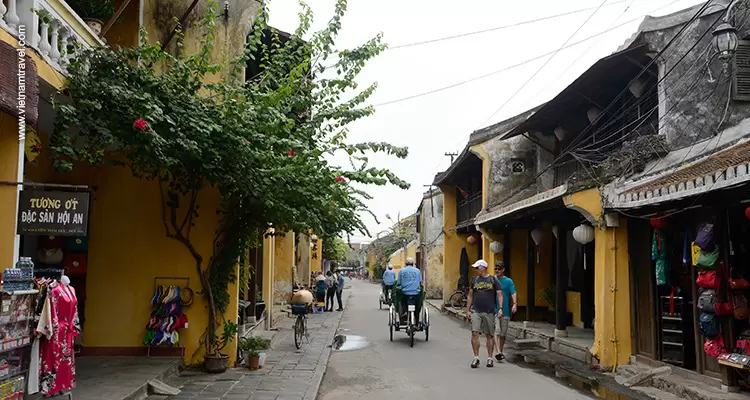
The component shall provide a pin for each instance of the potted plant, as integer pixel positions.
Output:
(549, 295)
(250, 348)
(215, 361)
(93, 12)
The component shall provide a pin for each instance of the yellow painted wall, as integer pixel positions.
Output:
(435, 271)
(8, 172)
(283, 267)
(125, 33)
(128, 248)
(45, 71)
(574, 306)
(399, 260)
(612, 344)
(519, 269)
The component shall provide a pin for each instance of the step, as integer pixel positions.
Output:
(527, 343)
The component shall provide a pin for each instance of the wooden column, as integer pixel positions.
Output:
(530, 268)
(506, 251)
(561, 283)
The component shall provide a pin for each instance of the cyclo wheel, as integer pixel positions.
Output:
(426, 323)
(412, 328)
(390, 321)
(299, 331)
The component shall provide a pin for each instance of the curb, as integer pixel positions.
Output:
(312, 392)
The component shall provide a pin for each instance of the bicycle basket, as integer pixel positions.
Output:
(299, 309)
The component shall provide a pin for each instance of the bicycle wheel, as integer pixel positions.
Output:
(457, 300)
(299, 331)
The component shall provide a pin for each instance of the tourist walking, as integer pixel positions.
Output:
(484, 292)
(339, 291)
(508, 308)
(330, 290)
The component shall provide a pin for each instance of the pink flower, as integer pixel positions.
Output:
(340, 179)
(140, 124)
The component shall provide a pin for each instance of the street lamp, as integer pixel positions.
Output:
(725, 40)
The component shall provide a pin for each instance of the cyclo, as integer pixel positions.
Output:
(408, 313)
(385, 299)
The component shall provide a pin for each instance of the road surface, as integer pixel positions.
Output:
(438, 369)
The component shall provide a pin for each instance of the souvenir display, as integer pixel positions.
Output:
(58, 325)
(167, 317)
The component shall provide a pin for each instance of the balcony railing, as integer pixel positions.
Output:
(565, 170)
(50, 27)
(469, 207)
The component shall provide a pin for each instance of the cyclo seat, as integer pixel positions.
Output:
(398, 298)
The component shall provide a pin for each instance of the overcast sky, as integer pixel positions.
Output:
(434, 124)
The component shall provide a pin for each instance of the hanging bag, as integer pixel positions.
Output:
(739, 283)
(740, 307)
(707, 280)
(708, 325)
(724, 308)
(714, 347)
(707, 301)
(705, 239)
(708, 259)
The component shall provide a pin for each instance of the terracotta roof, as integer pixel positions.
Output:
(718, 162)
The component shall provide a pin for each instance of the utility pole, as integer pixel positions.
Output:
(452, 156)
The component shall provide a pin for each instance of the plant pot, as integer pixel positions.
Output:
(95, 25)
(253, 362)
(217, 364)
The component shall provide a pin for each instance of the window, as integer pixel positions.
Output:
(742, 71)
(517, 166)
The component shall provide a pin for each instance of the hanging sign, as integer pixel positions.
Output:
(53, 213)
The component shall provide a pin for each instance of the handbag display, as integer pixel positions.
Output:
(708, 259)
(709, 325)
(724, 308)
(714, 347)
(77, 244)
(707, 301)
(708, 280)
(739, 283)
(49, 256)
(75, 264)
(740, 307)
(706, 238)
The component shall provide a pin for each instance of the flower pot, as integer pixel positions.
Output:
(253, 362)
(95, 25)
(217, 363)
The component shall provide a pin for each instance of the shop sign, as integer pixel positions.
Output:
(53, 213)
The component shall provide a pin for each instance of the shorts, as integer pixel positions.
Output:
(501, 326)
(483, 323)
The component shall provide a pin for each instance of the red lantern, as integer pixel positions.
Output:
(747, 213)
(658, 222)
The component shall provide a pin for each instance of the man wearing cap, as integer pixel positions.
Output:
(508, 307)
(484, 292)
(389, 279)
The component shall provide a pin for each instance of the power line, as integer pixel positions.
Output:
(513, 96)
(497, 28)
(522, 63)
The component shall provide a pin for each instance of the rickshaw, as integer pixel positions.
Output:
(383, 299)
(406, 319)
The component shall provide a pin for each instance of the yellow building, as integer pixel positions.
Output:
(399, 257)
(128, 252)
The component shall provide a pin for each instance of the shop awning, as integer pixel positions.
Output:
(504, 211)
(720, 170)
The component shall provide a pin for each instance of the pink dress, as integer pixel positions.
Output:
(58, 327)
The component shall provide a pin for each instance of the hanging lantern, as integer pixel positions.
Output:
(637, 87)
(555, 231)
(471, 239)
(583, 234)
(537, 235)
(658, 222)
(497, 247)
(593, 113)
(560, 133)
(747, 213)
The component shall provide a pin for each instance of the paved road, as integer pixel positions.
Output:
(438, 369)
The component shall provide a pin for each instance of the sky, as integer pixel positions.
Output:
(441, 122)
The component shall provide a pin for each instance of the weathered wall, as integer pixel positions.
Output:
(303, 257)
(283, 277)
(431, 241)
(696, 103)
(502, 181)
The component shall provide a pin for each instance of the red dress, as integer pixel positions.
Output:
(58, 371)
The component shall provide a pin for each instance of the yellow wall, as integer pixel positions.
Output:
(125, 34)
(435, 271)
(399, 260)
(574, 306)
(519, 266)
(612, 344)
(128, 248)
(45, 71)
(283, 266)
(9, 173)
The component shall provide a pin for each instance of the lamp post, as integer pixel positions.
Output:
(725, 41)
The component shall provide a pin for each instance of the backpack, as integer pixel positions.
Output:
(706, 300)
(709, 325)
(705, 238)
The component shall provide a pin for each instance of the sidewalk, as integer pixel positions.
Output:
(288, 374)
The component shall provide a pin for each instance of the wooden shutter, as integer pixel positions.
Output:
(742, 71)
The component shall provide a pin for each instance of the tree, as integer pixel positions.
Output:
(263, 144)
(334, 249)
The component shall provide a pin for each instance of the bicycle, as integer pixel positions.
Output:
(300, 324)
(458, 299)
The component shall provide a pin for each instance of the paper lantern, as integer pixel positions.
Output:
(497, 247)
(593, 113)
(560, 133)
(747, 213)
(555, 231)
(658, 222)
(637, 87)
(471, 240)
(537, 235)
(583, 234)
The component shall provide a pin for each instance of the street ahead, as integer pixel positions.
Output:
(438, 369)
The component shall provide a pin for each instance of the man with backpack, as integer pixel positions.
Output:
(331, 286)
(339, 290)
(485, 291)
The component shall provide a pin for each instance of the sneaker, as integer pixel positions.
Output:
(499, 357)
(475, 363)
(490, 362)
